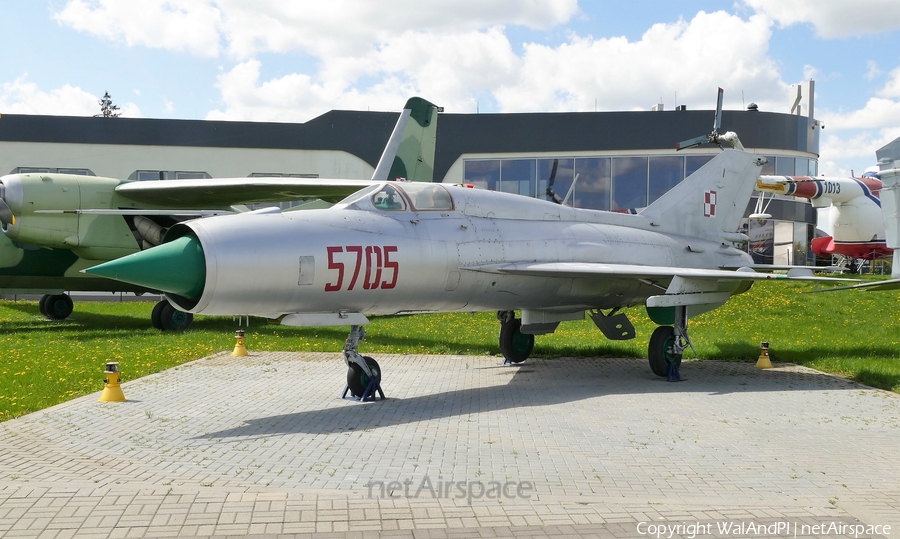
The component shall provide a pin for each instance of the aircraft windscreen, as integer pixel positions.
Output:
(388, 198)
(359, 195)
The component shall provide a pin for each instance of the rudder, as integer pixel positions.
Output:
(710, 201)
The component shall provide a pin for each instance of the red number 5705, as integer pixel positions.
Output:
(373, 261)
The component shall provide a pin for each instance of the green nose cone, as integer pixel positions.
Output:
(176, 267)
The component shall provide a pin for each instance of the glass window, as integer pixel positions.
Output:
(29, 170)
(813, 168)
(280, 175)
(784, 166)
(191, 175)
(562, 180)
(783, 243)
(483, 173)
(592, 188)
(801, 166)
(665, 173)
(78, 171)
(147, 175)
(517, 176)
(769, 168)
(629, 183)
(389, 199)
(803, 256)
(692, 163)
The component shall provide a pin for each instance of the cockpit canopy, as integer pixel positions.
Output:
(405, 196)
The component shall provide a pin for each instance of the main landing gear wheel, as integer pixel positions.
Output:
(56, 306)
(358, 380)
(661, 351)
(515, 345)
(168, 318)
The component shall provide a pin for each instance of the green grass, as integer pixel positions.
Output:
(850, 333)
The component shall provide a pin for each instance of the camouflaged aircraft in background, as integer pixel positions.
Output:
(55, 225)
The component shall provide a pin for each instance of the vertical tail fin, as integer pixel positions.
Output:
(711, 201)
(409, 152)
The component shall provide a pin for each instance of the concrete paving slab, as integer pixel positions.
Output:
(463, 446)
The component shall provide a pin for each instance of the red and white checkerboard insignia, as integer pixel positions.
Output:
(709, 204)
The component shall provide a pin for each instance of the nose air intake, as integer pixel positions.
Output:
(177, 267)
(6, 215)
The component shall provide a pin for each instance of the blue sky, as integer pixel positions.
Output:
(272, 60)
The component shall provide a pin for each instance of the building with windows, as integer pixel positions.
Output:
(616, 160)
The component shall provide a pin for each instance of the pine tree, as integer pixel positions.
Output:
(107, 108)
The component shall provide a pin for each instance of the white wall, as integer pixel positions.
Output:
(119, 161)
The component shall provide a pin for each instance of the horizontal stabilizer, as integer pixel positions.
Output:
(788, 268)
(878, 286)
(588, 269)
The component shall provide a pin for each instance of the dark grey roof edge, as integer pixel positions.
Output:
(364, 134)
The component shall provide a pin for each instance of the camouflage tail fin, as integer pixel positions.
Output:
(409, 152)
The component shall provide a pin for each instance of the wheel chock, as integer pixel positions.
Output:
(369, 394)
(239, 348)
(673, 375)
(112, 391)
(763, 362)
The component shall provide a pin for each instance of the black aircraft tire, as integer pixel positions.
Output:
(358, 380)
(58, 306)
(661, 340)
(515, 345)
(42, 304)
(156, 315)
(171, 319)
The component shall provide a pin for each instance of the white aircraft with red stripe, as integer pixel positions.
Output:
(855, 217)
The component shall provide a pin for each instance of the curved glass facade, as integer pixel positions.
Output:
(623, 183)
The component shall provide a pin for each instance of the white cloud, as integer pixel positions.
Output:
(872, 70)
(811, 72)
(853, 151)
(373, 55)
(833, 18)
(348, 27)
(853, 136)
(337, 27)
(877, 112)
(892, 88)
(185, 25)
(23, 97)
(297, 97)
(688, 58)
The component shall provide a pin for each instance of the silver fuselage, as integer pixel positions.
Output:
(357, 258)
